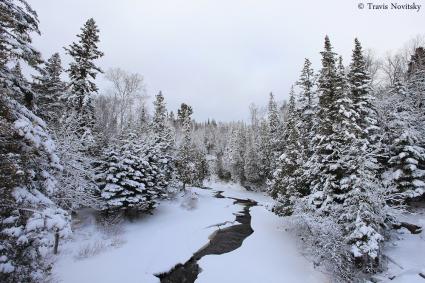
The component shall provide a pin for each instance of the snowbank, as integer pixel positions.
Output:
(151, 245)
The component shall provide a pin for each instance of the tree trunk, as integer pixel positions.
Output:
(55, 249)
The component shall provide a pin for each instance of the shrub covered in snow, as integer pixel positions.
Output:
(129, 178)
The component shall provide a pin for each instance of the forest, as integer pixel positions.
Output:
(342, 160)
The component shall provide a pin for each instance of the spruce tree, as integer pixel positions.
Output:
(29, 218)
(266, 155)
(83, 72)
(163, 137)
(50, 90)
(251, 164)
(362, 214)
(330, 138)
(273, 117)
(128, 177)
(191, 164)
(239, 144)
(285, 186)
(184, 161)
(305, 106)
(345, 186)
(253, 161)
(160, 126)
(275, 130)
(360, 94)
(405, 175)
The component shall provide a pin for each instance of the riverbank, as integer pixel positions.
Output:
(136, 251)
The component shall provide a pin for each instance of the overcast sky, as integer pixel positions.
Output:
(221, 55)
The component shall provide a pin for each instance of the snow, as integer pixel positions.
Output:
(268, 255)
(152, 245)
(176, 230)
(406, 253)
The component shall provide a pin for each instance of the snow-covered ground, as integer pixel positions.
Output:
(268, 255)
(407, 253)
(138, 250)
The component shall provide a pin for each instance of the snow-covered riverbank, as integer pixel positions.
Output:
(136, 251)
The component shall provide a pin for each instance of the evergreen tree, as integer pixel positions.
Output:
(285, 188)
(344, 187)
(275, 129)
(360, 94)
(29, 218)
(82, 72)
(273, 118)
(50, 89)
(326, 160)
(405, 175)
(253, 162)
(305, 107)
(183, 113)
(144, 122)
(160, 126)
(17, 22)
(128, 178)
(184, 162)
(238, 149)
(163, 137)
(266, 154)
(251, 158)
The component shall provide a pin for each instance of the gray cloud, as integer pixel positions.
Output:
(219, 56)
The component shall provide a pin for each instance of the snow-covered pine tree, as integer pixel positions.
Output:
(252, 166)
(163, 137)
(265, 151)
(183, 113)
(18, 22)
(82, 71)
(331, 137)
(28, 162)
(237, 157)
(50, 88)
(306, 107)
(275, 132)
(185, 165)
(285, 183)
(28, 216)
(201, 165)
(360, 94)
(144, 122)
(128, 177)
(405, 176)
(362, 215)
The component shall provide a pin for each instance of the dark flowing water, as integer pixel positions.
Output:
(221, 241)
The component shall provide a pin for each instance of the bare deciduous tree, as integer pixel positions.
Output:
(119, 106)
